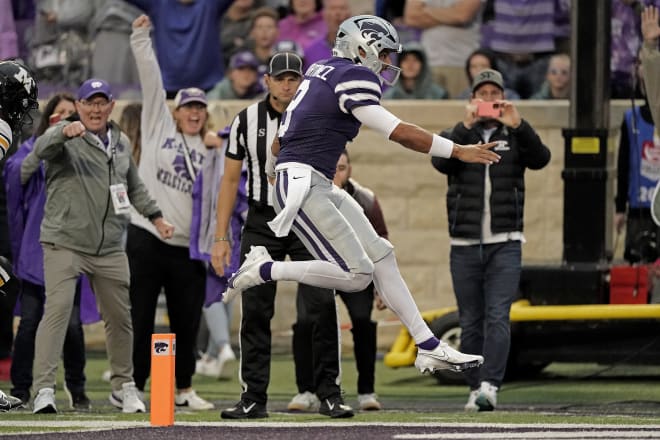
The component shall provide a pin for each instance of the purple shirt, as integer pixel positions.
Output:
(319, 121)
(8, 38)
(302, 33)
(317, 50)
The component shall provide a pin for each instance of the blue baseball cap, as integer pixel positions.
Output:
(244, 58)
(93, 87)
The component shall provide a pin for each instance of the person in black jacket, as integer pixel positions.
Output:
(485, 207)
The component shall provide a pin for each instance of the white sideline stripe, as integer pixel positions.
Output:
(533, 435)
(115, 424)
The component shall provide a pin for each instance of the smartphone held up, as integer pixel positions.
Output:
(489, 109)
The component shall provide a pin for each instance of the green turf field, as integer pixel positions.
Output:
(563, 393)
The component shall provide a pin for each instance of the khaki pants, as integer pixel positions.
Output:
(109, 276)
(451, 78)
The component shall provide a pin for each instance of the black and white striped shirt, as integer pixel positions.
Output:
(252, 131)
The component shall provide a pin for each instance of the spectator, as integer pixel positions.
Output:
(638, 173)
(650, 59)
(558, 79)
(358, 304)
(415, 81)
(25, 182)
(235, 27)
(450, 32)
(334, 13)
(304, 23)
(110, 29)
(173, 151)
(392, 11)
(263, 35)
(257, 305)
(24, 14)
(80, 232)
(523, 37)
(217, 315)
(479, 60)
(242, 81)
(8, 37)
(129, 122)
(186, 34)
(486, 231)
(60, 52)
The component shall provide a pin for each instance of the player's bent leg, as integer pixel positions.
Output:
(320, 274)
(397, 297)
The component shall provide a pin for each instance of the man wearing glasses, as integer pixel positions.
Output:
(91, 181)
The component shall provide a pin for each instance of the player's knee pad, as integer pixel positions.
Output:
(379, 249)
(360, 281)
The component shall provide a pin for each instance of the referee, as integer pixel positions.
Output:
(252, 133)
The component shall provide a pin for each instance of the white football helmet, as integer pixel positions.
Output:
(372, 35)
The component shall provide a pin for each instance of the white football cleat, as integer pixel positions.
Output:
(248, 274)
(443, 357)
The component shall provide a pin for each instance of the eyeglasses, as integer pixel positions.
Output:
(101, 104)
(563, 72)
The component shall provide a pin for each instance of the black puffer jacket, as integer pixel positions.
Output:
(519, 149)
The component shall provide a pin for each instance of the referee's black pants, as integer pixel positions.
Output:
(156, 265)
(258, 308)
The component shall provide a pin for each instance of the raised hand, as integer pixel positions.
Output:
(142, 22)
(650, 26)
(73, 129)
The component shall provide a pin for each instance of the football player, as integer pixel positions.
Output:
(336, 97)
(18, 95)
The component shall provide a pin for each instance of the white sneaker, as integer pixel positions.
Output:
(191, 400)
(369, 402)
(471, 404)
(307, 402)
(208, 366)
(226, 355)
(487, 398)
(44, 402)
(443, 357)
(248, 274)
(106, 376)
(129, 399)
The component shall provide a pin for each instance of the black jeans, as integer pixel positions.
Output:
(156, 265)
(32, 309)
(359, 306)
(258, 308)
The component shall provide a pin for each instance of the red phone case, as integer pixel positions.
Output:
(488, 110)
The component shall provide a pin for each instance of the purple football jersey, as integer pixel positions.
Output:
(319, 120)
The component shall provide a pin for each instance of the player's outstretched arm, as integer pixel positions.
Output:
(416, 138)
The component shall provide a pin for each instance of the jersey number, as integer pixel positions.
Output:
(302, 90)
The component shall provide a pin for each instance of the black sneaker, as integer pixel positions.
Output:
(79, 400)
(245, 409)
(24, 395)
(335, 408)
